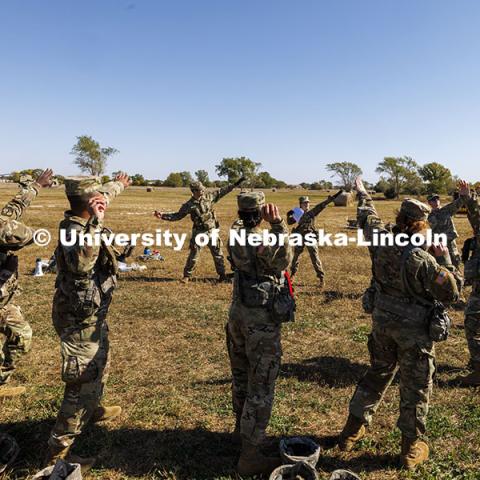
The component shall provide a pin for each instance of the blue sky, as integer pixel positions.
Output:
(177, 85)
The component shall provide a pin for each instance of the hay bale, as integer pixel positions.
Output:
(345, 199)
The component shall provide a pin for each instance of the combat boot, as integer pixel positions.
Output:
(6, 391)
(63, 453)
(353, 431)
(414, 452)
(472, 379)
(253, 462)
(102, 414)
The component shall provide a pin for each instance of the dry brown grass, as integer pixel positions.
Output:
(170, 370)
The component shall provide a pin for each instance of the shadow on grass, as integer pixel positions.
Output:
(195, 453)
(183, 454)
(335, 372)
(333, 295)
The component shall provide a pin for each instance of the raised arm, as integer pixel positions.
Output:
(367, 216)
(112, 189)
(221, 192)
(452, 208)
(319, 207)
(16, 207)
(473, 207)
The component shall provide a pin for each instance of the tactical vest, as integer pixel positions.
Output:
(390, 291)
(87, 291)
(306, 225)
(203, 215)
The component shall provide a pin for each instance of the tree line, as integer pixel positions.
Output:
(398, 175)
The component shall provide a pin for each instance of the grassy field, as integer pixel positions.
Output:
(170, 369)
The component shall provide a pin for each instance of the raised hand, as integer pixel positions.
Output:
(359, 186)
(97, 206)
(464, 188)
(45, 179)
(271, 213)
(124, 179)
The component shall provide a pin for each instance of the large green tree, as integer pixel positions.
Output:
(400, 172)
(202, 176)
(438, 178)
(90, 157)
(234, 168)
(347, 172)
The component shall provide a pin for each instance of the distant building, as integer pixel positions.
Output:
(5, 178)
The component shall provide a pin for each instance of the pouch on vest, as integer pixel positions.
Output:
(254, 294)
(85, 297)
(283, 305)
(437, 319)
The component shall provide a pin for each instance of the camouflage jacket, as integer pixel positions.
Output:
(306, 224)
(201, 211)
(86, 273)
(14, 235)
(427, 277)
(441, 219)
(473, 213)
(263, 263)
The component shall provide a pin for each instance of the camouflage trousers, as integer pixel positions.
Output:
(314, 257)
(17, 340)
(194, 255)
(472, 325)
(397, 344)
(84, 347)
(253, 342)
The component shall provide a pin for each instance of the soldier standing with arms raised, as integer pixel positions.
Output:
(406, 281)
(14, 235)
(306, 225)
(472, 275)
(254, 328)
(200, 207)
(86, 280)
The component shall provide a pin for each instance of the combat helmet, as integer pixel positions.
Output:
(299, 449)
(297, 471)
(344, 475)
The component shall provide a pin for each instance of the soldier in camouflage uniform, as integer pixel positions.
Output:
(253, 332)
(86, 280)
(200, 207)
(306, 225)
(441, 221)
(472, 275)
(14, 235)
(400, 340)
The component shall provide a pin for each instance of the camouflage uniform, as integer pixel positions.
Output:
(86, 279)
(399, 338)
(472, 310)
(204, 220)
(441, 221)
(14, 235)
(253, 337)
(306, 225)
